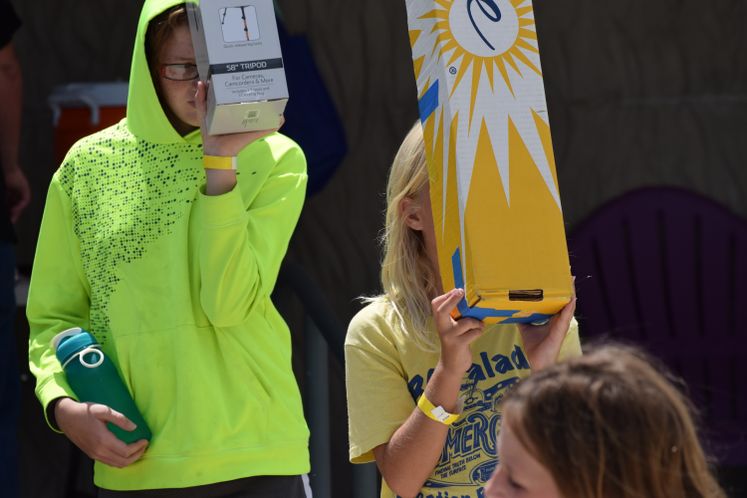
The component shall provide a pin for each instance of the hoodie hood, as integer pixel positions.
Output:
(145, 116)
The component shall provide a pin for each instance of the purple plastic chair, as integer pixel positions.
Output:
(667, 269)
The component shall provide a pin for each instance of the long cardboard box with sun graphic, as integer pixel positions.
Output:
(493, 185)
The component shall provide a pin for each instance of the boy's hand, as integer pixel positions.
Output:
(224, 145)
(455, 335)
(85, 425)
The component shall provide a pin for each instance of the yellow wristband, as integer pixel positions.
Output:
(219, 162)
(436, 413)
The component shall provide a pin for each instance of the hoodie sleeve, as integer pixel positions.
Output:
(241, 237)
(58, 295)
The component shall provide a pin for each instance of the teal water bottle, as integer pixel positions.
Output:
(93, 378)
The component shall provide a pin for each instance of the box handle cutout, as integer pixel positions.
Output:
(526, 295)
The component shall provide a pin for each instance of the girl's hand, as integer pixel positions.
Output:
(85, 425)
(455, 335)
(224, 145)
(542, 344)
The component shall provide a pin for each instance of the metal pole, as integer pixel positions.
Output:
(317, 404)
(365, 481)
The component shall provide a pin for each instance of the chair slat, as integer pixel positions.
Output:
(667, 269)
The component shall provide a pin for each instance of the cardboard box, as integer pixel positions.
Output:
(237, 49)
(494, 189)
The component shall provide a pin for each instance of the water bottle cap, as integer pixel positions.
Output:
(72, 343)
(56, 340)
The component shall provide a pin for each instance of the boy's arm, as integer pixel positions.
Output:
(58, 296)
(239, 243)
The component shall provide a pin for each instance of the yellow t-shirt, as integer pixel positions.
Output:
(386, 373)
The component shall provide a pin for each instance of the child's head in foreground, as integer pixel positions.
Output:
(604, 425)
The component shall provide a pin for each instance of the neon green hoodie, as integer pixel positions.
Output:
(176, 286)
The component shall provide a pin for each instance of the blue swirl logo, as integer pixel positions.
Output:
(490, 10)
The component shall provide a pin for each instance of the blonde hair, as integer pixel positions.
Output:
(407, 277)
(609, 425)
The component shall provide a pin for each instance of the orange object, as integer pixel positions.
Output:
(75, 123)
(80, 109)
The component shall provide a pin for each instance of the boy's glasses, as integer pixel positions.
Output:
(179, 72)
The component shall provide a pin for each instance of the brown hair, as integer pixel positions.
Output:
(610, 425)
(160, 29)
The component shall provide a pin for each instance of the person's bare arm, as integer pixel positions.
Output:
(11, 102)
(10, 97)
(414, 449)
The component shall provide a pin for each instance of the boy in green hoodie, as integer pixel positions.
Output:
(152, 241)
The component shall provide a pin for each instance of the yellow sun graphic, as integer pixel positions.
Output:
(521, 38)
(477, 64)
(484, 113)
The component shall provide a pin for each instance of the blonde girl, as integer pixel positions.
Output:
(423, 389)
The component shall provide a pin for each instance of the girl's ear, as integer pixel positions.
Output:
(411, 212)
